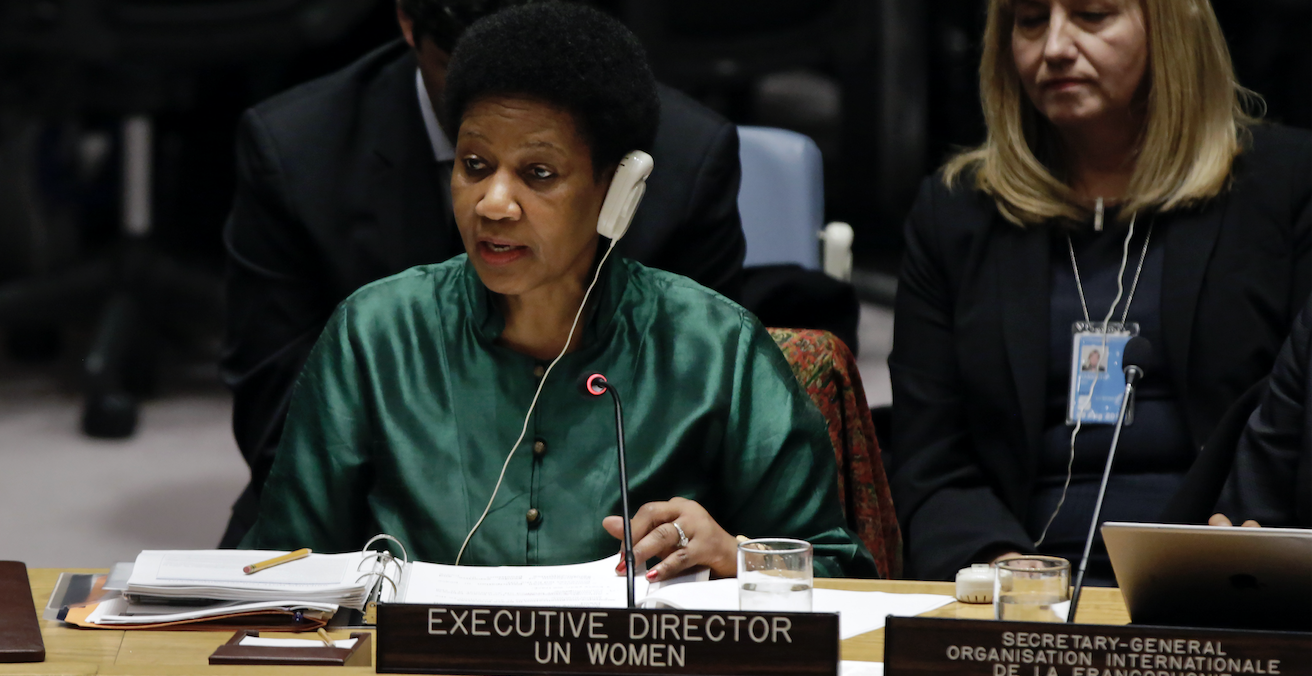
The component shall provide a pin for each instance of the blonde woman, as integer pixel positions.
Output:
(1121, 179)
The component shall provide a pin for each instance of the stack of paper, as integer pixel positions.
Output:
(170, 588)
(594, 584)
(858, 612)
(584, 585)
(121, 613)
(337, 579)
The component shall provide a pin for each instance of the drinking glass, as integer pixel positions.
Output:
(774, 574)
(1032, 589)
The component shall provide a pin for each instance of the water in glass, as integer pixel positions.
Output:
(760, 591)
(1032, 607)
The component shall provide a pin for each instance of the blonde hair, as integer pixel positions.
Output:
(1192, 132)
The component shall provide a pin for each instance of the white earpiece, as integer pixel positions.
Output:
(625, 194)
(622, 199)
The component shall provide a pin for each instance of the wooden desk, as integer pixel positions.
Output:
(1097, 606)
(82, 652)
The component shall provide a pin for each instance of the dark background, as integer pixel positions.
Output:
(886, 87)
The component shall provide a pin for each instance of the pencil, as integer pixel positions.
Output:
(323, 636)
(276, 561)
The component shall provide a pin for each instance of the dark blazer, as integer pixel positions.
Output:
(337, 187)
(1271, 481)
(969, 363)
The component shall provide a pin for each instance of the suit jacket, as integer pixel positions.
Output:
(1271, 481)
(969, 363)
(338, 186)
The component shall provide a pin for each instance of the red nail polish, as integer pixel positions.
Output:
(620, 568)
(651, 574)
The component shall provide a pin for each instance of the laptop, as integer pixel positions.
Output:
(1205, 576)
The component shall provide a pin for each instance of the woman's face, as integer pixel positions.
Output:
(1081, 61)
(524, 194)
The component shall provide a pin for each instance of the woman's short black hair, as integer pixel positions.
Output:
(566, 55)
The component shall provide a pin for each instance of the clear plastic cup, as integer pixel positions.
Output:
(775, 574)
(1032, 589)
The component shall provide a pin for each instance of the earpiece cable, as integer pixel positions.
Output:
(523, 431)
(1085, 402)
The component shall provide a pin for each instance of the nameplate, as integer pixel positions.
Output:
(924, 645)
(477, 640)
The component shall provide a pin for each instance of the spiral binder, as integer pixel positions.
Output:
(387, 571)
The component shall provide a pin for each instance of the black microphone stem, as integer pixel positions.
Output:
(624, 492)
(1102, 491)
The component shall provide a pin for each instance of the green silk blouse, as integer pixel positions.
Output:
(407, 407)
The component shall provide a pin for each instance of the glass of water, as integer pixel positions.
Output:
(774, 574)
(1032, 589)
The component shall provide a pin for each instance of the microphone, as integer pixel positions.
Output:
(1135, 359)
(1137, 355)
(595, 385)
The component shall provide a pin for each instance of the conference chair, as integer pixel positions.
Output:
(781, 201)
(827, 371)
(133, 60)
(874, 49)
(782, 204)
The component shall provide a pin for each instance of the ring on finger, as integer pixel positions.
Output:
(683, 537)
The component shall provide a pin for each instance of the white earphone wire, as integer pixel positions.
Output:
(528, 416)
(1084, 404)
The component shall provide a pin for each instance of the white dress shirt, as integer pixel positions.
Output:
(442, 149)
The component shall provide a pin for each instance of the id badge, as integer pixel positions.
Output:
(1097, 379)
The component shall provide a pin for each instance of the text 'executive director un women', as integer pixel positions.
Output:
(418, 389)
(1202, 244)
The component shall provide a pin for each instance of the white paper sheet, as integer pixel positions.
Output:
(850, 668)
(225, 565)
(203, 567)
(583, 585)
(862, 612)
(859, 612)
(259, 642)
(217, 574)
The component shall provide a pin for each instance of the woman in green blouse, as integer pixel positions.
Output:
(418, 388)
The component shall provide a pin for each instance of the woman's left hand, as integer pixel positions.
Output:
(654, 534)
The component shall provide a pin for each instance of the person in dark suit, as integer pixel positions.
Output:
(1271, 481)
(1113, 186)
(346, 180)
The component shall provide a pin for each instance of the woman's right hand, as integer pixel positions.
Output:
(656, 530)
(1219, 519)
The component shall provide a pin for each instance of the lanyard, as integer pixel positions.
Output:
(1120, 288)
(1120, 284)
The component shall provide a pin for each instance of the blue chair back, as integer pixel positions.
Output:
(781, 199)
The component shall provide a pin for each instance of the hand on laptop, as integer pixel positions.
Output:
(1219, 519)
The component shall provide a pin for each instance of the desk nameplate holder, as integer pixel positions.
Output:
(233, 652)
(923, 645)
(486, 640)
